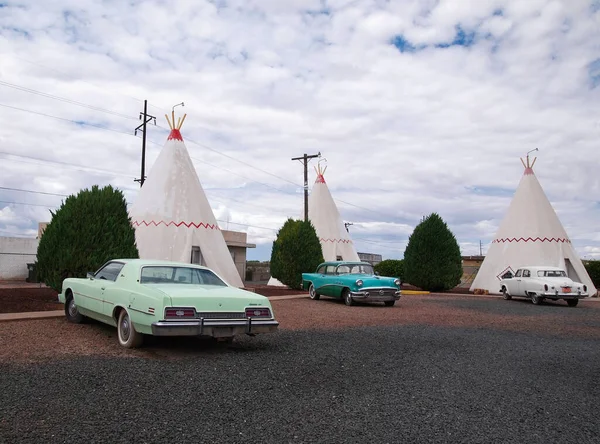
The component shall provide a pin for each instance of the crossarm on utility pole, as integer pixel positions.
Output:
(304, 159)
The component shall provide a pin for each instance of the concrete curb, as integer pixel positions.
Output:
(4, 317)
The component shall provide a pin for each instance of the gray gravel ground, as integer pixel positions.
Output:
(377, 384)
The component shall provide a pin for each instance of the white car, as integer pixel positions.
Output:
(539, 283)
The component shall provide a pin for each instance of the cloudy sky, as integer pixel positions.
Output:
(419, 106)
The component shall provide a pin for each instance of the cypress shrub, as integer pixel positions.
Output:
(593, 269)
(432, 259)
(296, 250)
(391, 268)
(85, 232)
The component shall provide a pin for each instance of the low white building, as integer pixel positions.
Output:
(15, 254)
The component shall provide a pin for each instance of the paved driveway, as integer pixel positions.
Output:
(418, 378)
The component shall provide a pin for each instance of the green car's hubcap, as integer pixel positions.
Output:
(72, 308)
(125, 328)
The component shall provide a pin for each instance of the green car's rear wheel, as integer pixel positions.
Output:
(128, 337)
(312, 292)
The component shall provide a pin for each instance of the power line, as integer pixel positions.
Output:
(34, 192)
(57, 162)
(25, 203)
(63, 99)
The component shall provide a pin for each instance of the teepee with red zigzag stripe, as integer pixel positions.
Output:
(172, 217)
(325, 217)
(530, 234)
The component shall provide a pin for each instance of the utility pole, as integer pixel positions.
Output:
(304, 159)
(480, 249)
(347, 224)
(147, 118)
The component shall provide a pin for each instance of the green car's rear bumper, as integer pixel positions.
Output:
(214, 327)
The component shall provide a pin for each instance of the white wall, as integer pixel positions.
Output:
(15, 254)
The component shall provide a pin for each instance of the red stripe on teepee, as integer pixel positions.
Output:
(175, 135)
(177, 224)
(528, 171)
(531, 239)
(320, 179)
(342, 241)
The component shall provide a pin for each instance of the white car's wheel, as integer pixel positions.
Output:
(71, 311)
(128, 337)
(572, 302)
(312, 292)
(535, 299)
(505, 294)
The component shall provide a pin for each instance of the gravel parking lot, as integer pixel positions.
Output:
(431, 369)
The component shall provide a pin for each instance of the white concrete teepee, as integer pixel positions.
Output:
(530, 234)
(172, 217)
(325, 217)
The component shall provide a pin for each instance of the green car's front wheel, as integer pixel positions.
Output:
(347, 297)
(71, 311)
(389, 303)
(128, 337)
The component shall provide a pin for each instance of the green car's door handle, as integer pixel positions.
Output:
(102, 288)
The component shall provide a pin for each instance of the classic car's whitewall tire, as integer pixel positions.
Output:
(71, 311)
(347, 297)
(572, 302)
(505, 294)
(313, 293)
(128, 337)
(535, 299)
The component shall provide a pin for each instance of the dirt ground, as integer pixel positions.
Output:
(18, 300)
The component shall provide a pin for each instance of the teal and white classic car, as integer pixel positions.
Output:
(351, 281)
(148, 297)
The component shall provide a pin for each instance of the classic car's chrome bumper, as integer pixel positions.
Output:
(214, 327)
(560, 295)
(376, 294)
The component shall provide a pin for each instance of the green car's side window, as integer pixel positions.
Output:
(330, 269)
(321, 270)
(110, 271)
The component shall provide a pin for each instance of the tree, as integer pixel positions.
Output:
(432, 259)
(593, 269)
(296, 250)
(85, 232)
(391, 268)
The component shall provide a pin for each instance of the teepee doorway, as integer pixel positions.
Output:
(571, 272)
(196, 256)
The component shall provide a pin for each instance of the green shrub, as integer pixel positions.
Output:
(391, 268)
(296, 250)
(85, 232)
(432, 259)
(593, 269)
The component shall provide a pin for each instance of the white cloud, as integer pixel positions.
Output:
(405, 134)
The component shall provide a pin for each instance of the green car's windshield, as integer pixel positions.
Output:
(354, 269)
(179, 275)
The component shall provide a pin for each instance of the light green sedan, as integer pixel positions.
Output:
(149, 297)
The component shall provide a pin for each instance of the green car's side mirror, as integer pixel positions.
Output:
(90, 275)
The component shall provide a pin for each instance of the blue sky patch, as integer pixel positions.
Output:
(402, 44)
(461, 38)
